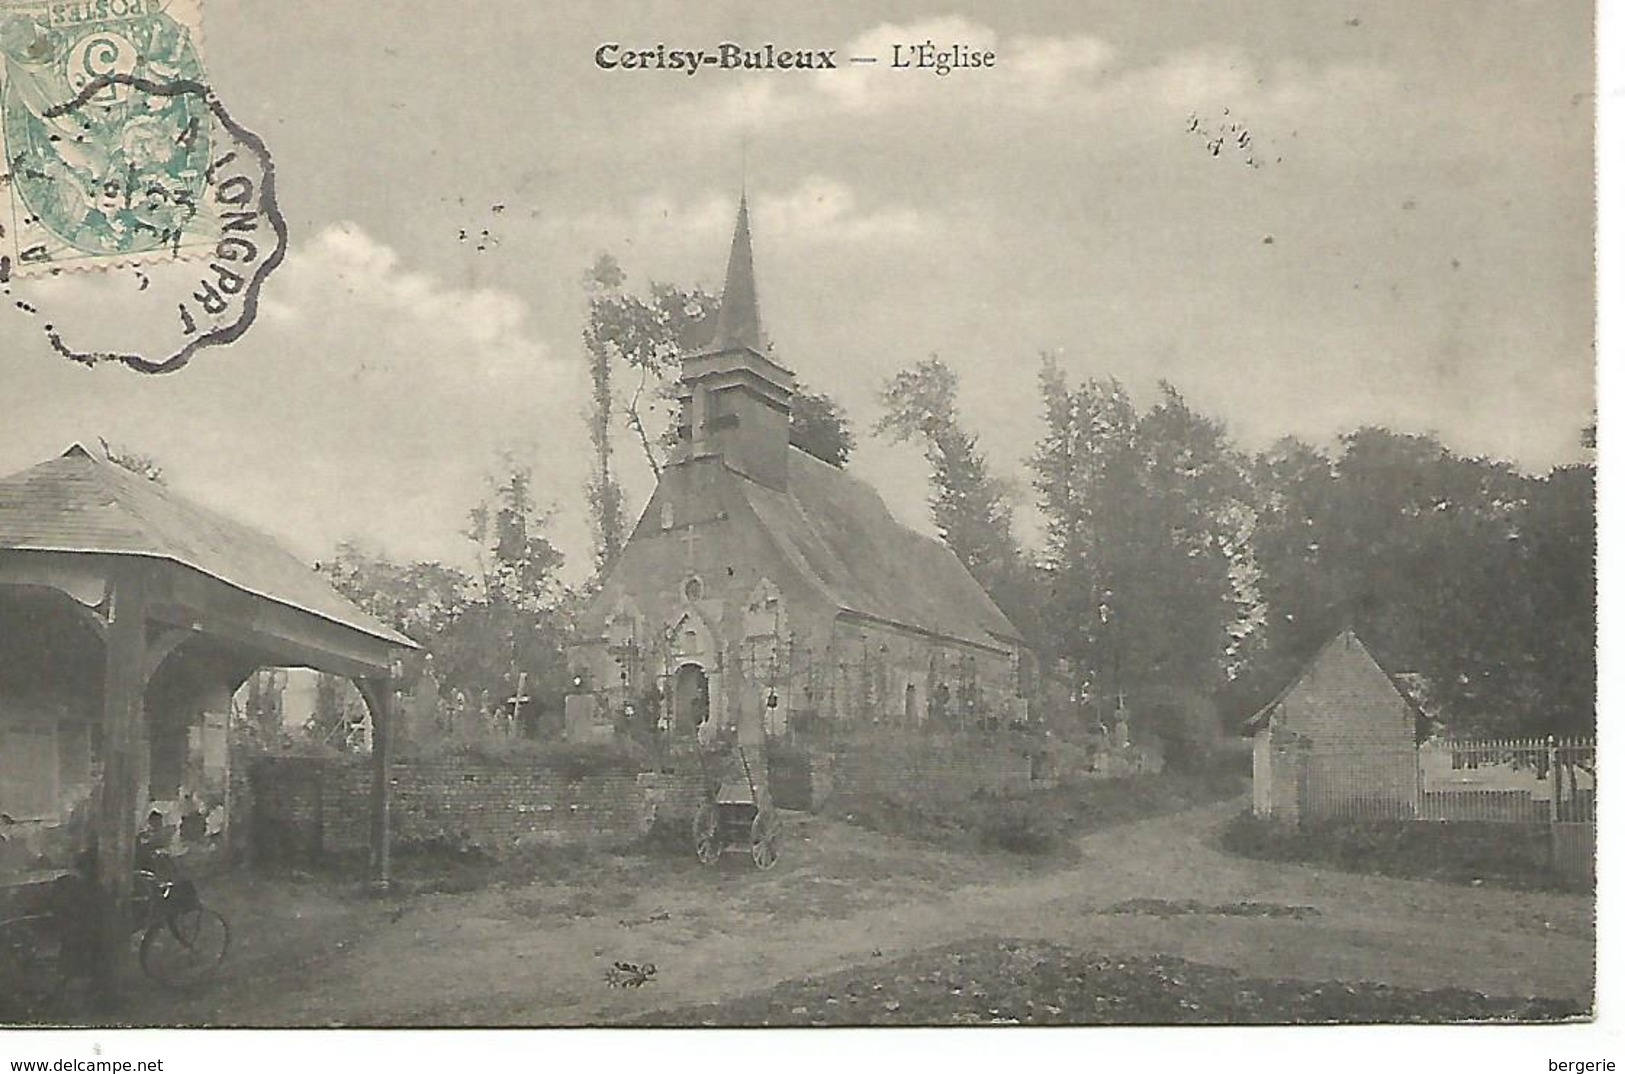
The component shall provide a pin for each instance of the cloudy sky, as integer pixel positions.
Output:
(1412, 249)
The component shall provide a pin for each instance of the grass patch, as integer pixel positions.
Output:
(1462, 852)
(1040, 824)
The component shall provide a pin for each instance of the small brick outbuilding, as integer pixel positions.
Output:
(1340, 740)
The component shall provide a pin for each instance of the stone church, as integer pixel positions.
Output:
(762, 583)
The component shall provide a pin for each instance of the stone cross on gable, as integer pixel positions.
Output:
(690, 539)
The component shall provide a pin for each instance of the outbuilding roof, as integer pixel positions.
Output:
(82, 503)
(1260, 719)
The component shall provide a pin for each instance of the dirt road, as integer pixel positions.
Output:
(537, 954)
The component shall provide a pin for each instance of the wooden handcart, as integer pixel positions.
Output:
(738, 815)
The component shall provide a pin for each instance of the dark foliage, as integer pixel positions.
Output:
(819, 426)
(1510, 855)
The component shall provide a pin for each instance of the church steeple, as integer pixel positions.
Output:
(739, 322)
(735, 399)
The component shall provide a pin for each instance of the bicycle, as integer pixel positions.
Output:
(180, 942)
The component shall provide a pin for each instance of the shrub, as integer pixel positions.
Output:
(1516, 855)
(1019, 826)
(1186, 723)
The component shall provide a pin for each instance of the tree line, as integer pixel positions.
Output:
(1173, 572)
(1173, 564)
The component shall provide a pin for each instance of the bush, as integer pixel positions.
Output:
(1019, 826)
(1185, 722)
(1515, 855)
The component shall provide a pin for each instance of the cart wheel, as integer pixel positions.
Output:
(764, 842)
(707, 846)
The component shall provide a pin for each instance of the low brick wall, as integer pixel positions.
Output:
(939, 765)
(307, 807)
(942, 765)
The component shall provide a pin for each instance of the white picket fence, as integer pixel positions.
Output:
(1516, 780)
(1523, 781)
(1550, 782)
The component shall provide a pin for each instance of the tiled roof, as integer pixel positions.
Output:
(837, 531)
(79, 502)
(1260, 719)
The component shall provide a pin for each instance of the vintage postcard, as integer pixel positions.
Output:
(799, 516)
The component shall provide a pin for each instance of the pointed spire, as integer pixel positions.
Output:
(738, 322)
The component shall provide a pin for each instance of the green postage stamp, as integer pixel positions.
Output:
(107, 132)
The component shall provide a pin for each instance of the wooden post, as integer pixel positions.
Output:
(120, 795)
(379, 693)
(1554, 774)
(1416, 782)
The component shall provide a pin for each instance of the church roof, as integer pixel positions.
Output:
(837, 532)
(739, 322)
(79, 502)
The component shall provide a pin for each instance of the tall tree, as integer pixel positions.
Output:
(1557, 543)
(638, 341)
(604, 497)
(1462, 570)
(1304, 583)
(1201, 612)
(1085, 469)
(486, 628)
(1148, 524)
(971, 508)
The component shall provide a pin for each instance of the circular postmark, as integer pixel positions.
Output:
(187, 294)
(138, 220)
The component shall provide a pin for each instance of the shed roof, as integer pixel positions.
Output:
(836, 530)
(1261, 718)
(82, 503)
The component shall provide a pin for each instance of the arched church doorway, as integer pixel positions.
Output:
(691, 699)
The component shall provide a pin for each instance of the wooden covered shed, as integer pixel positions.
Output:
(128, 612)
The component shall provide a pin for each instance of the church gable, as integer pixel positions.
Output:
(700, 550)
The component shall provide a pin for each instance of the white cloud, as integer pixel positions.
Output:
(369, 400)
(1049, 63)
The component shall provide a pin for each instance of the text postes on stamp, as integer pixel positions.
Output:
(107, 154)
